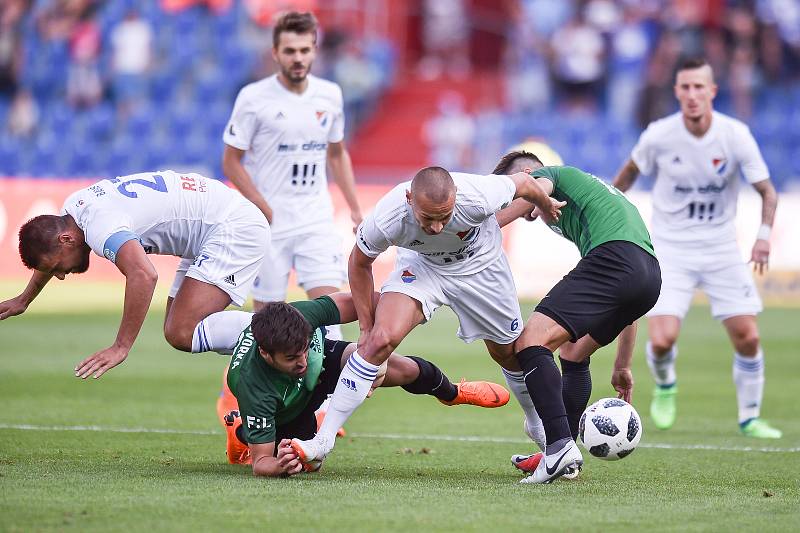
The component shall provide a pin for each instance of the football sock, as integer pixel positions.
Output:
(351, 390)
(431, 381)
(576, 391)
(240, 434)
(662, 368)
(557, 446)
(219, 332)
(748, 375)
(544, 386)
(516, 384)
(333, 333)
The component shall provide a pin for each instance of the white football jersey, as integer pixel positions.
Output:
(285, 137)
(697, 179)
(169, 213)
(470, 241)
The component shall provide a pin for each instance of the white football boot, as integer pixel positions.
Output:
(555, 465)
(312, 450)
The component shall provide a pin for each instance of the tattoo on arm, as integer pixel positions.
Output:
(769, 200)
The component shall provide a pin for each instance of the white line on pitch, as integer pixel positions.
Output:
(398, 436)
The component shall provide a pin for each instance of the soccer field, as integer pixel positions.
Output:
(140, 449)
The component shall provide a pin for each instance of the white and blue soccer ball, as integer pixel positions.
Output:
(610, 429)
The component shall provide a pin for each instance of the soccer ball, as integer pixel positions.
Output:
(610, 429)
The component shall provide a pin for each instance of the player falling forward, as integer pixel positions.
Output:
(283, 132)
(697, 155)
(616, 281)
(283, 367)
(220, 236)
(451, 255)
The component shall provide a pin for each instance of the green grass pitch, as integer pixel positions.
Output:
(140, 449)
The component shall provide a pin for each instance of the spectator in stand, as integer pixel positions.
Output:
(11, 12)
(450, 134)
(23, 115)
(84, 87)
(131, 42)
(579, 63)
(445, 31)
(346, 65)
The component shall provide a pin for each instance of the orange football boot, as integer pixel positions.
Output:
(480, 393)
(228, 413)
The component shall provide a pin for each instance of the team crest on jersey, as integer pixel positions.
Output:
(322, 118)
(720, 164)
(466, 233)
(407, 276)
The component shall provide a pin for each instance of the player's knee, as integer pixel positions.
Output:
(747, 342)
(178, 337)
(380, 343)
(662, 341)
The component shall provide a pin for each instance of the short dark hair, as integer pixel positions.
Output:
(691, 63)
(279, 327)
(507, 160)
(294, 22)
(38, 237)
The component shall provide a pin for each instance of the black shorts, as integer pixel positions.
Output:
(304, 425)
(614, 285)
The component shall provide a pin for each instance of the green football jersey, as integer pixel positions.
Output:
(267, 397)
(596, 212)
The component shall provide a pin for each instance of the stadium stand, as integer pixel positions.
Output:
(168, 73)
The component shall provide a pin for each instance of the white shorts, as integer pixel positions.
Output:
(316, 258)
(230, 256)
(485, 303)
(718, 270)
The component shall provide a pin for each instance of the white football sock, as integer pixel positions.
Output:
(354, 383)
(219, 332)
(662, 368)
(533, 424)
(333, 333)
(748, 375)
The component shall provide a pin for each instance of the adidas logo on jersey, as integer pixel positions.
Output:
(415, 242)
(280, 116)
(230, 280)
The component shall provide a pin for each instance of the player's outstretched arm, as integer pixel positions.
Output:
(265, 464)
(622, 377)
(362, 287)
(537, 191)
(140, 282)
(342, 169)
(234, 170)
(769, 203)
(517, 209)
(19, 304)
(626, 176)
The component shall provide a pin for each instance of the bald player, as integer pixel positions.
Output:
(450, 254)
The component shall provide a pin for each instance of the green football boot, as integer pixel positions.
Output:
(663, 408)
(760, 429)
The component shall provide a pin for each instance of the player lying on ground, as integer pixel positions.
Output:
(616, 281)
(451, 255)
(283, 368)
(697, 156)
(220, 236)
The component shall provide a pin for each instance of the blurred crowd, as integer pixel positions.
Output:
(90, 87)
(622, 55)
(588, 75)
